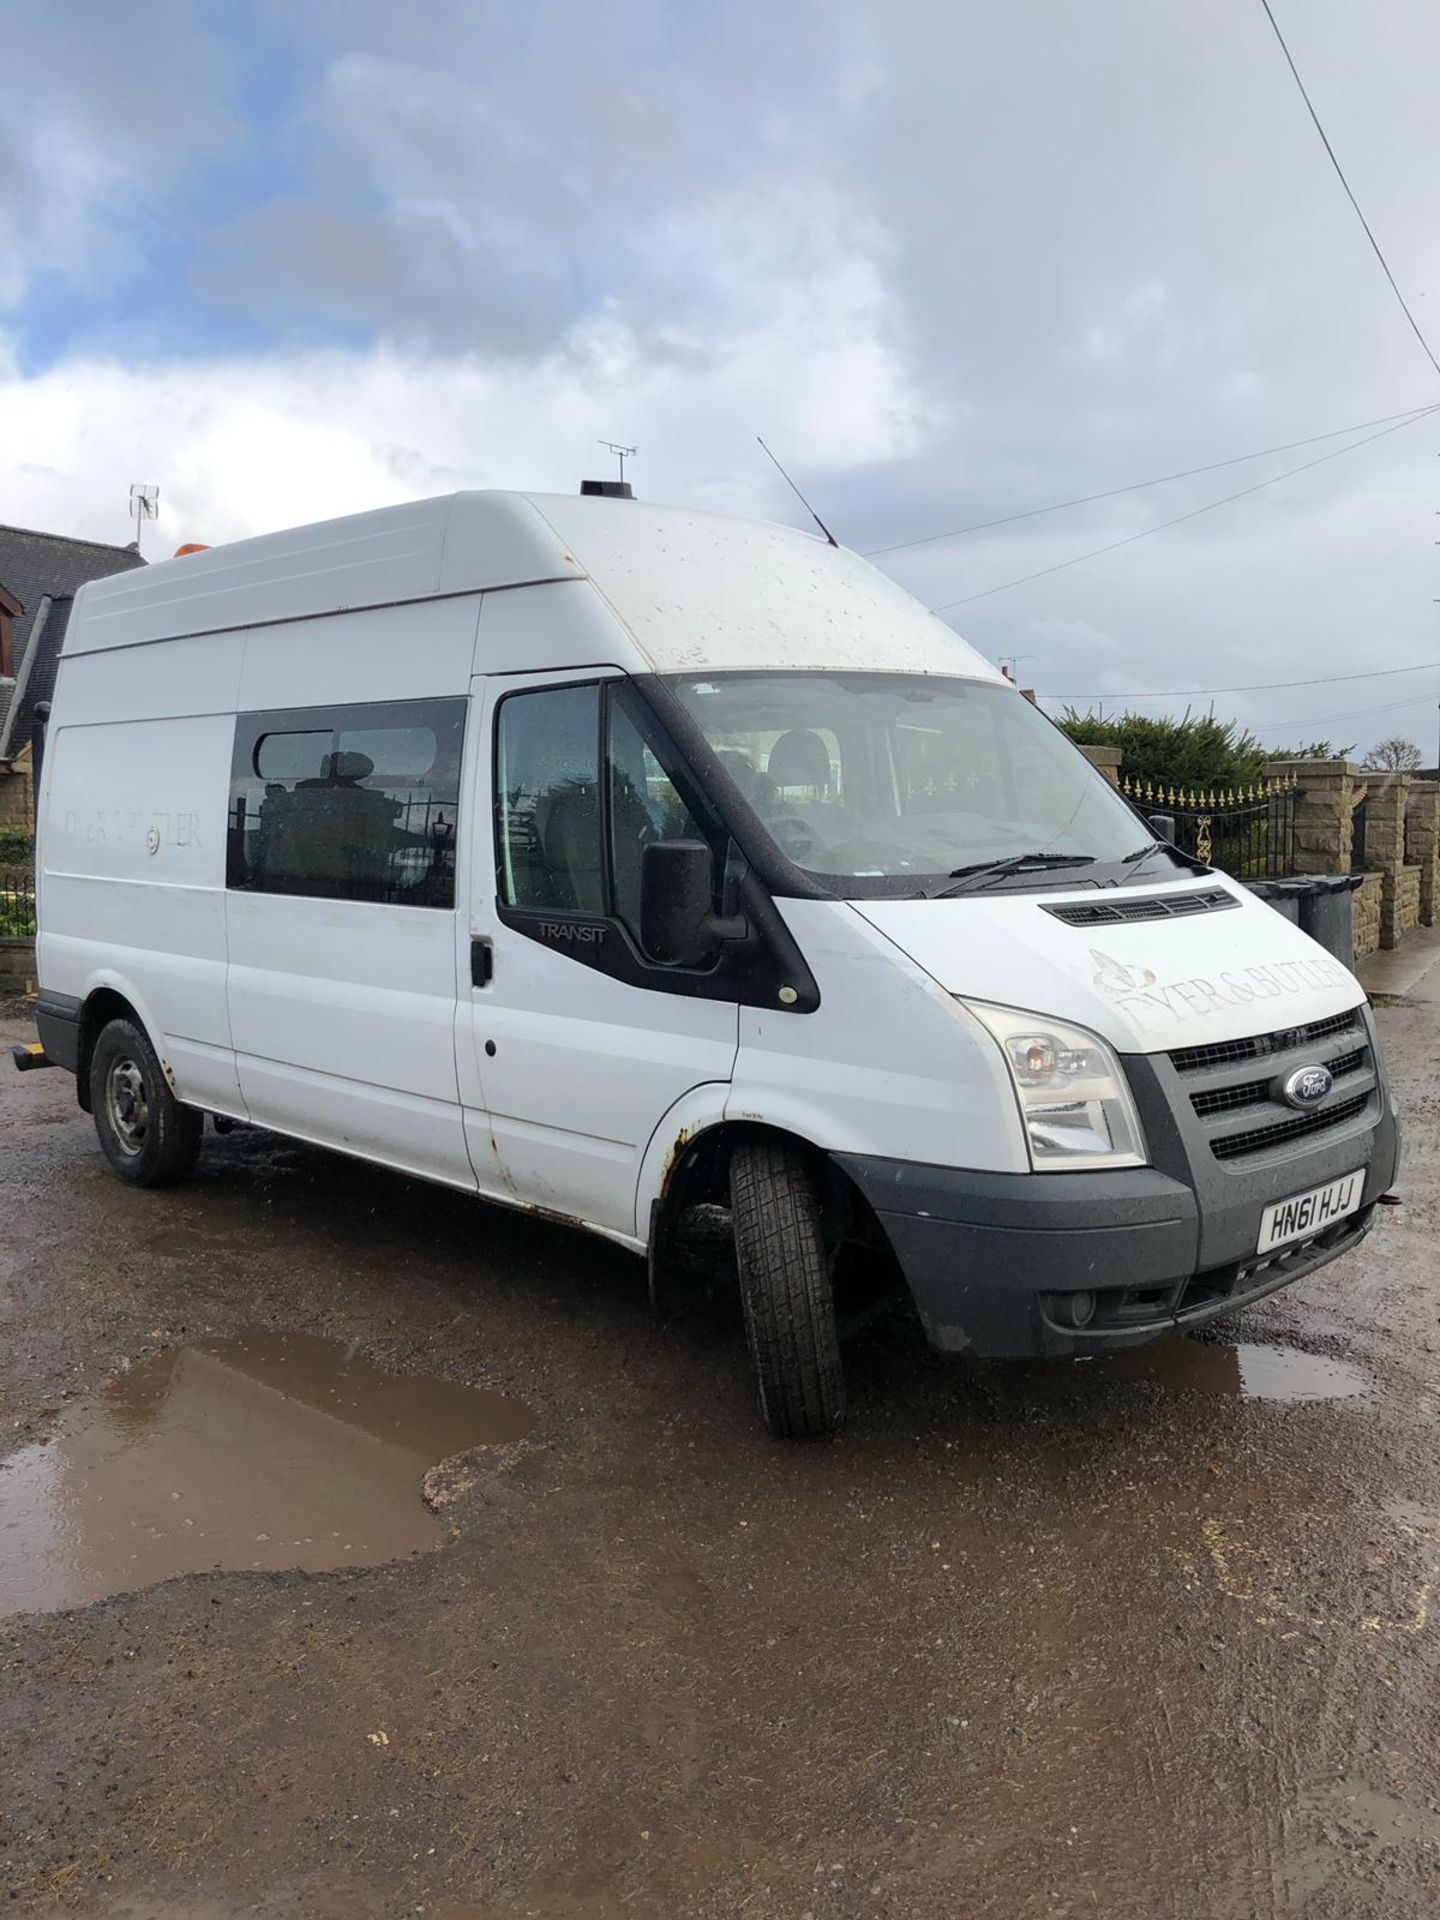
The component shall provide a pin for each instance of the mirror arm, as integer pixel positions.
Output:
(731, 923)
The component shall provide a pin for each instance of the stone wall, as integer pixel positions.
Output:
(15, 807)
(1402, 841)
(1406, 915)
(1106, 760)
(1422, 841)
(1324, 813)
(1367, 914)
(1385, 809)
(17, 966)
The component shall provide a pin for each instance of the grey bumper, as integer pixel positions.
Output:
(994, 1260)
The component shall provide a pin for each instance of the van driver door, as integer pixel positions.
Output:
(580, 1043)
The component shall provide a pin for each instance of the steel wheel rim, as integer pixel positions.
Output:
(127, 1108)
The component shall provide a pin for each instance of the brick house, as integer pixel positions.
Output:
(40, 573)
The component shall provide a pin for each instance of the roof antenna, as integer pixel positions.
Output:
(801, 498)
(622, 454)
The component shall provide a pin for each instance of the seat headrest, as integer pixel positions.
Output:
(799, 759)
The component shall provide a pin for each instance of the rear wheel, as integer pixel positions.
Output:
(786, 1290)
(148, 1137)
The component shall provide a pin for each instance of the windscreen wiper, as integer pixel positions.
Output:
(1177, 854)
(982, 870)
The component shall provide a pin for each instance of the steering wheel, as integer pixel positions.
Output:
(794, 836)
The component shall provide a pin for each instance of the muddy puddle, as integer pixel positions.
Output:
(266, 1451)
(1250, 1370)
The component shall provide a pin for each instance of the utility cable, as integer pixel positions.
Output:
(1256, 686)
(1179, 519)
(1340, 175)
(1138, 486)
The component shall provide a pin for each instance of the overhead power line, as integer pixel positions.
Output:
(1340, 175)
(1138, 486)
(1111, 546)
(1255, 686)
(1329, 719)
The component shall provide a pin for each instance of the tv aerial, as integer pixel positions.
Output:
(144, 505)
(622, 454)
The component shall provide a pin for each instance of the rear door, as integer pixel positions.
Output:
(580, 1043)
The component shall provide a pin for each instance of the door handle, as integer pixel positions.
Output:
(482, 962)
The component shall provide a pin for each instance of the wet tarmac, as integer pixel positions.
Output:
(1248, 1369)
(260, 1451)
(1150, 1638)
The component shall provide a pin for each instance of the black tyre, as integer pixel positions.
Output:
(147, 1136)
(785, 1290)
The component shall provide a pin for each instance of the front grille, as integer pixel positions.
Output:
(1234, 1053)
(1252, 1093)
(1299, 1126)
(1158, 906)
(1231, 1093)
(1255, 1093)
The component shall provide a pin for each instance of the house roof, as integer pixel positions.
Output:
(32, 566)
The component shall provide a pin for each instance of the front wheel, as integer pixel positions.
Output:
(785, 1289)
(148, 1137)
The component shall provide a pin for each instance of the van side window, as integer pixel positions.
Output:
(644, 806)
(547, 772)
(348, 803)
(549, 796)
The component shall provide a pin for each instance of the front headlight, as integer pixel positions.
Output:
(1074, 1104)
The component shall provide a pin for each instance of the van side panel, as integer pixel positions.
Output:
(343, 1014)
(416, 652)
(132, 875)
(343, 1009)
(164, 681)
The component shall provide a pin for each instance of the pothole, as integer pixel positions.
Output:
(1248, 1369)
(262, 1452)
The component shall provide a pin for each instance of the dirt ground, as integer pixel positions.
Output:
(1022, 1641)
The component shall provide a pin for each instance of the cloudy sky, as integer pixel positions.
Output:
(954, 260)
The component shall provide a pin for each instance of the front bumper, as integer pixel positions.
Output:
(991, 1258)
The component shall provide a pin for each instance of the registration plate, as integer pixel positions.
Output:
(1306, 1213)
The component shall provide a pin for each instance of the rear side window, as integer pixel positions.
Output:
(348, 803)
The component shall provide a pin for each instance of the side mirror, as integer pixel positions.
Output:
(677, 924)
(1164, 825)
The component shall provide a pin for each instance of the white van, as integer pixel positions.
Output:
(627, 864)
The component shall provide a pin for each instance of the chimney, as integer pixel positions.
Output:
(606, 490)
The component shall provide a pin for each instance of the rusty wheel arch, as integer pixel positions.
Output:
(697, 1174)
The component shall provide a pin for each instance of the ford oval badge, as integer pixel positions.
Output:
(1308, 1086)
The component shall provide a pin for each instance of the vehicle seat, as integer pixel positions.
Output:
(570, 835)
(800, 759)
(329, 834)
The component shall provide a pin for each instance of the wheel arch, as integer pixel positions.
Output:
(693, 1170)
(102, 1005)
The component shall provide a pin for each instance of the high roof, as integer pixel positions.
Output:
(693, 590)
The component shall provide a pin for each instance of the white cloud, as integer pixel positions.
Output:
(245, 444)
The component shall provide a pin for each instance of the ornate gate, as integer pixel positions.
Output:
(1246, 831)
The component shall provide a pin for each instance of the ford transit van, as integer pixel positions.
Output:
(645, 868)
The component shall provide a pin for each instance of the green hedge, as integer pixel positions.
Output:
(17, 849)
(1194, 751)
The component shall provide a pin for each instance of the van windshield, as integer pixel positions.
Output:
(880, 783)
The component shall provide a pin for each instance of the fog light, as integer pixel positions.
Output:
(1075, 1309)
